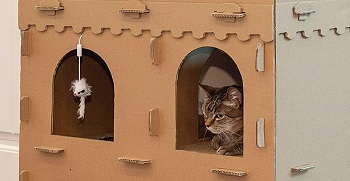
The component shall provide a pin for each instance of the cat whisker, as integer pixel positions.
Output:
(226, 135)
(231, 132)
(202, 131)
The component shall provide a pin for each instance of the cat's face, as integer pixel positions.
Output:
(222, 109)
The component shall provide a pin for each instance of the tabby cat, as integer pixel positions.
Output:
(223, 115)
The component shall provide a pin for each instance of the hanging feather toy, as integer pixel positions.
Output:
(80, 88)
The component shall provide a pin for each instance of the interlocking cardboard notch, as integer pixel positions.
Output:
(143, 57)
(229, 172)
(49, 6)
(303, 10)
(134, 7)
(138, 161)
(49, 149)
(229, 12)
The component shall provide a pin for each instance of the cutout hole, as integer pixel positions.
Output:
(212, 67)
(99, 106)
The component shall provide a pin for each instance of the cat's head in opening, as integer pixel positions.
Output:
(222, 108)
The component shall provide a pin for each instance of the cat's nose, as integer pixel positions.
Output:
(208, 123)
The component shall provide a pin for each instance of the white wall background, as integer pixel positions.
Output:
(9, 90)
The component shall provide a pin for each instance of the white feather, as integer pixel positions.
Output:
(81, 89)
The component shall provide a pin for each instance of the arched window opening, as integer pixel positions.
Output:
(98, 122)
(216, 70)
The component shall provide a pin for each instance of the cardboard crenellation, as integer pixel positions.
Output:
(165, 16)
(324, 16)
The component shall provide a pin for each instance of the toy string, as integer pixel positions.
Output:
(79, 54)
(79, 67)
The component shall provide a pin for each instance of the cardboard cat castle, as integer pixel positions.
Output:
(144, 60)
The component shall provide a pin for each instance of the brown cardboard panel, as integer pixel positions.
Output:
(326, 15)
(184, 17)
(187, 101)
(135, 79)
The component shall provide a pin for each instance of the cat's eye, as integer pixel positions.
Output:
(218, 116)
(81, 91)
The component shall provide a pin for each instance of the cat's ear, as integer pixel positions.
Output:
(233, 98)
(208, 90)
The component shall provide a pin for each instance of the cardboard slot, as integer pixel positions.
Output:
(99, 110)
(229, 172)
(132, 160)
(196, 68)
(49, 149)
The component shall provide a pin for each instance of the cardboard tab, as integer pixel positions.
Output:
(134, 8)
(49, 6)
(49, 149)
(260, 133)
(24, 43)
(24, 176)
(154, 51)
(229, 12)
(24, 109)
(132, 160)
(302, 168)
(303, 10)
(154, 122)
(229, 172)
(260, 57)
